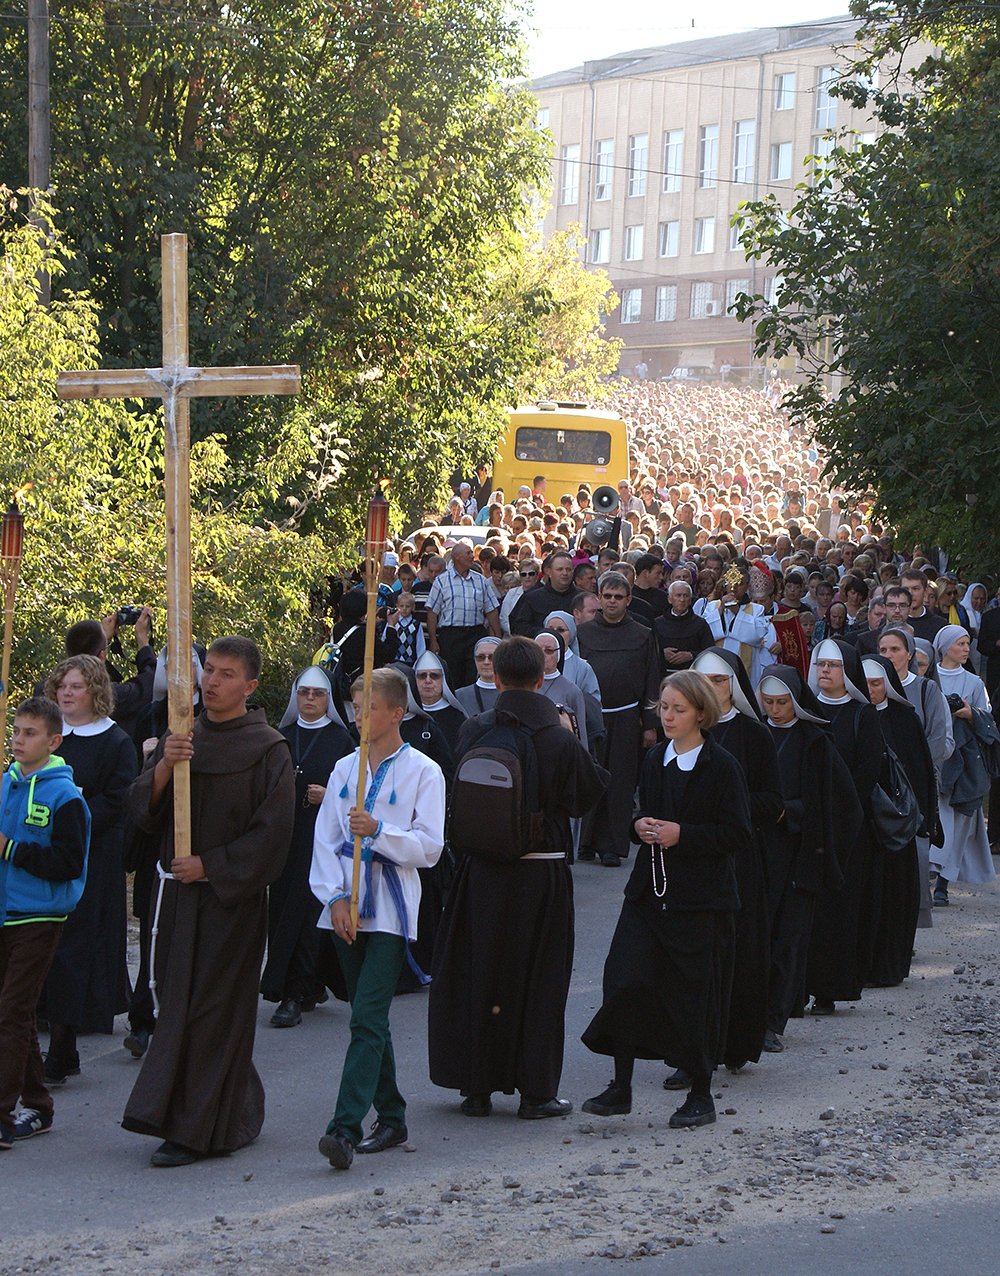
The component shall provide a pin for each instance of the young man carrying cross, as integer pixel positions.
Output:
(198, 1089)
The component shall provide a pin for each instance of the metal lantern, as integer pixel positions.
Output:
(376, 527)
(12, 535)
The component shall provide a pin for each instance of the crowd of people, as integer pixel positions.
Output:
(742, 685)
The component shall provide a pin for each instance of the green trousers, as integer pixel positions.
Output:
(371, 967)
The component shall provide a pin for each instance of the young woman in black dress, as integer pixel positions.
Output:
(668, 974)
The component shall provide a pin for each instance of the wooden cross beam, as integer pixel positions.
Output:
(175, 383)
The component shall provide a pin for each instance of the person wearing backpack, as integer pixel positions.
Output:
(504, 953)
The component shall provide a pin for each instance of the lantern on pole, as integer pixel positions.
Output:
(376, 532)
(11, 553)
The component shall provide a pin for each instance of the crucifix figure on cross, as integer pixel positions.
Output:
(175, 383)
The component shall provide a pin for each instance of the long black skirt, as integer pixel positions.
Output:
(667, 981)
(502, 967)
(898, 916)
(748, 1002)
(844, 925)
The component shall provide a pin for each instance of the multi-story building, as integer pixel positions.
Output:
(654, 150)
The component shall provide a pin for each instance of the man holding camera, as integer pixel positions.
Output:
(91, 638)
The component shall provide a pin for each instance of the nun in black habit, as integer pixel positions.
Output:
(741, 732)
(317, 739)
(420, 731)
(822, 819)
(668, 973)
(904, 735)
(437, 698)
(845, 923)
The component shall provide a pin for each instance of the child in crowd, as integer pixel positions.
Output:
(44, 839)
(409, 630)
(402, 826)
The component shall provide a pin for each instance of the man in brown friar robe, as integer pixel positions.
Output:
(624, 656)
(198, 1089)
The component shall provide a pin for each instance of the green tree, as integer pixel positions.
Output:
(889, 267)
(352, 180)
(90, 479)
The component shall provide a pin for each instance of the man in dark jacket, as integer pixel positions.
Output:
(680, 634)
(554, 594)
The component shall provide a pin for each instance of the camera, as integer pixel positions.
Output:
(129, 614)
(955, 702)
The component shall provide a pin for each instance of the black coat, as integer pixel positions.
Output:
(533, 607)
(714, 816)
(989, 635)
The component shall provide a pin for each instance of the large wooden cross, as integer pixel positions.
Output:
(175, 383)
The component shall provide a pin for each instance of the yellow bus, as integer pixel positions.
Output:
(567, 443)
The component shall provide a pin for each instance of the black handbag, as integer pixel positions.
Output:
(895, 810)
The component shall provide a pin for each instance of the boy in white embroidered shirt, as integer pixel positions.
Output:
(402, 825)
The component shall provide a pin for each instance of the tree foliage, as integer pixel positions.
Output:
(352, 178)
(890, 278)
(90, 477)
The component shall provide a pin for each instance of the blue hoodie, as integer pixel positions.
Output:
(43, 867)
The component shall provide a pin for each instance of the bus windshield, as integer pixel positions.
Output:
(554, 446)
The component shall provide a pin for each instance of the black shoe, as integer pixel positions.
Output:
(57, 1068)
(337, 1148)
(696, 1111)
(169, 1155)
(678, 1080)
(822, 1007)
(382, 1138)
(137, 1042)
(772, 1042)
(615, 1101)
(287, 1015)
(477, 1105)
(310, 1003)
(940, 899)
(529, 1111)
(610, 860)
(586, 854)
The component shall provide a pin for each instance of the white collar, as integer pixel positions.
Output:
(949, 672)
(782, 726)
(438, 704)
(88, 728)
(828, 700)
(728, 717)
(883, 705)
(550, 676)
(314, 726)
(486, 686)
(910, 677)
(685, 761)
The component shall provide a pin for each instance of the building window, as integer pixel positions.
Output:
(784, 91)
(781, 161)
(542, 117)
(670, 239)
(826, 105)
(743, 149)
(823, 148)
(673, 158)
(666, 303)
(605, 169)
(633, 243)
(704, 235)
(569, 189)
(702, 302)
(600, 246)
(734, 239)
(866, 139)
(638, 155)
(631, 305)
(772, 286)
(733, 289)
(708, 165)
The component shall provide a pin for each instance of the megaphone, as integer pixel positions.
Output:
(598, 531)
(605, 499)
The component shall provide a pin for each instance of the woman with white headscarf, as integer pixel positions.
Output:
(965, 856)
(480, 695)
(437, 698)
(821, 822)
(317, 741)
(845, 923)
(556, 686)
(974, 602)
(742, 734)
(575, 667)
(900, 909)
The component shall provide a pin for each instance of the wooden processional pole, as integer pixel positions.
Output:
(376, 527)
(11, 551)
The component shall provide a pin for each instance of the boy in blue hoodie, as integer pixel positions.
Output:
(44, 839)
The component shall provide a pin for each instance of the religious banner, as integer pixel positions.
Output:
(794, 647)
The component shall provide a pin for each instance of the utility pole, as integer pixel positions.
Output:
(39, 113)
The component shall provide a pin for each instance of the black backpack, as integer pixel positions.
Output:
(494, 800)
